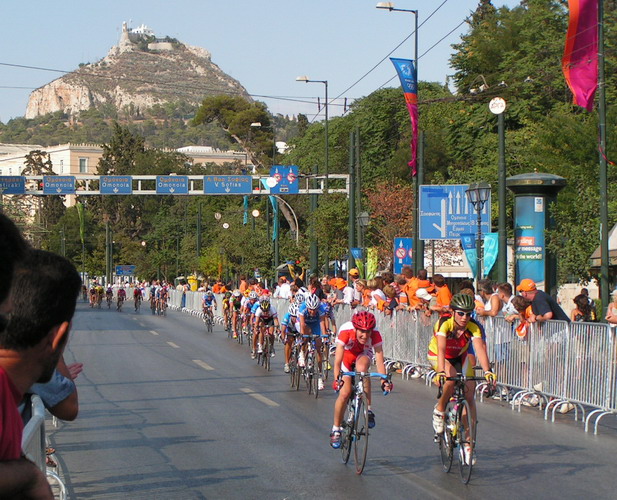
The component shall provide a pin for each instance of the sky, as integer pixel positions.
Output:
(264, 44)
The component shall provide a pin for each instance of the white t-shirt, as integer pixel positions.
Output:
(376, 295)
(348, 294)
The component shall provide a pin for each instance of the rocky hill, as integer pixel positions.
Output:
(139, 72)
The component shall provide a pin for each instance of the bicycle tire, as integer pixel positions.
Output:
(325, 359)
(347, 430)
(361, 433)
(446, 442)
(267, 352)
(316, 384)
(293, 371)
(466, 439)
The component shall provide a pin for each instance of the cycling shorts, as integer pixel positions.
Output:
(268, 321)
(461, 364)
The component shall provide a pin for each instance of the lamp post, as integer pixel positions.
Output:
(363, 221)
(478, 194)
(418, 246)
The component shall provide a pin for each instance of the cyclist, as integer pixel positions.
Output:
(162, 295)
(250, 302)
(226, 309)
(289, 332)
(100, 291)
(312, 319)
(356, 345)
(137, 296)
(208, 304)
(266, 318)
(236, 308)
(93, 295)
(448, 352)
(121, 297)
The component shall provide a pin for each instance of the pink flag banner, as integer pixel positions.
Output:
(580, 58)
(409, 82)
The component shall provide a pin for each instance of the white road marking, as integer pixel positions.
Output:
(175, 346)
(259, 397)
(153, 332)
(203, 364)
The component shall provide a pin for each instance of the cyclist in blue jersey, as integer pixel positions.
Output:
(289, 331)
(208, 304)
(312, 321)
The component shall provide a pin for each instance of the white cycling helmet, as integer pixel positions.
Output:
(299, 298)
(293, 309)
(253, 295)
(236, 293)
(209, 293)
(312, 301)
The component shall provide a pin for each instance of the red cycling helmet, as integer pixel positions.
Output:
(363, 320)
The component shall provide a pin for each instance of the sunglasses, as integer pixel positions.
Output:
(463, 314)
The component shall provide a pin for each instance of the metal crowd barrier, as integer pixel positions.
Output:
(33, 443)
(567, 366)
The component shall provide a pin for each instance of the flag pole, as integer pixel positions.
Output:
(604, 249)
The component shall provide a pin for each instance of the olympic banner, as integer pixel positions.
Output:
(409, 82)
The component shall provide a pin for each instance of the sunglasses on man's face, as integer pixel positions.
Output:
(463, 314)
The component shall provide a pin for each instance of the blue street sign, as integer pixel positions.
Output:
(125, 270)
(403, 253)
(12, 184)
(445, 213)
(58, 184)
(228, 184)
(286, 179)
(172, 184)
(116, 184)
(358, 253)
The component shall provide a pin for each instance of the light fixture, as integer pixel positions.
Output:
(478, 194)
(364, 219)
(256, 124)
(225, 225)
(385, 5)
(302, 78)
(255, 213)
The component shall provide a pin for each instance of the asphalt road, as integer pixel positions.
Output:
(168, 411)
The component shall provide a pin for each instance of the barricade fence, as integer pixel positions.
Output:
(562, 363)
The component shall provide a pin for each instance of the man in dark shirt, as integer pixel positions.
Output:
(544, 306)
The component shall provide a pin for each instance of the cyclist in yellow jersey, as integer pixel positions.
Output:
(448, 353)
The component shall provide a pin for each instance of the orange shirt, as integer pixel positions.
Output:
(216, 288)
(444, 296)
(243, 286)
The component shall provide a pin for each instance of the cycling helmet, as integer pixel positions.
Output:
(299, 298)
(236, 293)
(209, 293)
(227, 295)
(253, 295)
(363, 320)
(247, 293)
(312, 301)
(462, 302)
(293, 309)
(265, 305)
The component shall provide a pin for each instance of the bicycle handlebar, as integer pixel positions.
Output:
(387, 377)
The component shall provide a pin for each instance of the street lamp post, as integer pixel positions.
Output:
(363, 221)
(418, 246)
(478, 194)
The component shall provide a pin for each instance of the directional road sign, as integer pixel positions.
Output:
(125, 270)
(172, 184)
(12, 184)
(403, 253)
(228, 184)
(286, 179)
(445, 213)
(58, 184)
(116, 184)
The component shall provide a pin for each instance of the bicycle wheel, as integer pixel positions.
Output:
(210, 324)
(293, 370)
(446, 443)
(325, 353)
(267, 351)
(360, 444)
(347, 430)
(316, 384)
(466, 437)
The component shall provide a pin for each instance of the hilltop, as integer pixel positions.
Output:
(140, 72)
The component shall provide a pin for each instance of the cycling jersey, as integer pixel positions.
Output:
(353, 348)
(290, 322)
(266, 315)
(455, 346)
(236, 303)
(209, 301)
(312, 318)
(122, 293)
(253, 307)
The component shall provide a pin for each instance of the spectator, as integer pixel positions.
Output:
(582, 310)
(377, 297)
(544, 306)
(504, 291)
(391, 303)
(348, 293)
(611, 311)
(592, 304)
(443, 296)
(243, 284)
(283, 290)
(399, 284)
(44, 293)
(492, 304)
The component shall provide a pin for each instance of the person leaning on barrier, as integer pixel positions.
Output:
(544, 306)
(47, 286)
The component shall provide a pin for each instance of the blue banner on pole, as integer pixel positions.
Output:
(58, 184)
(490, 251)
(275, 215)
(358, 253)
(468, 242)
